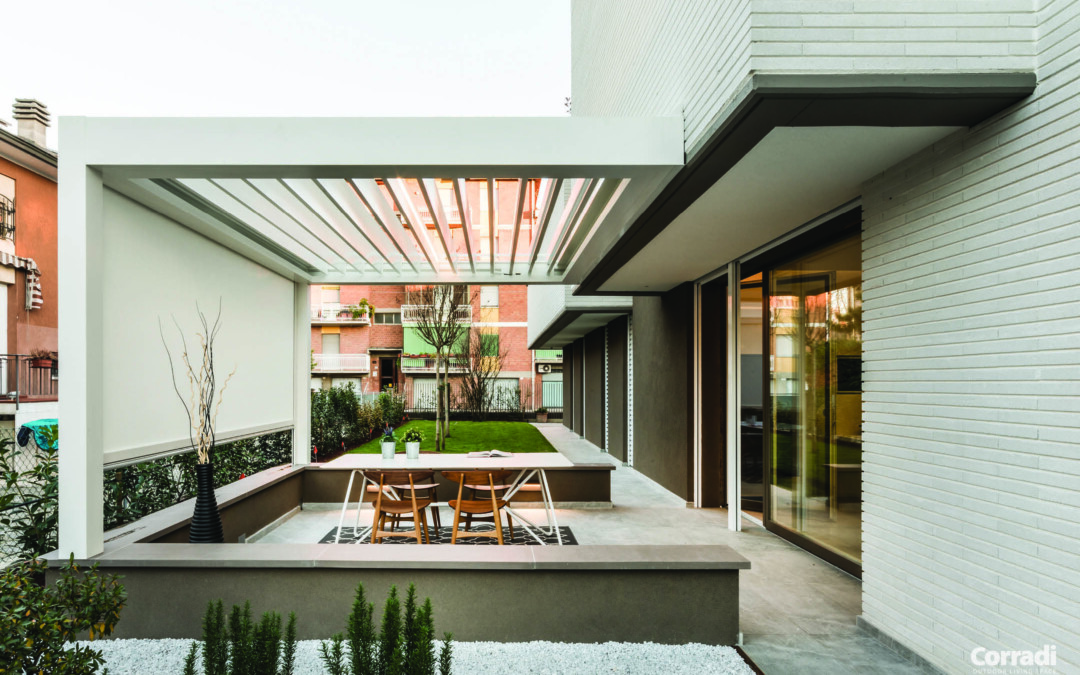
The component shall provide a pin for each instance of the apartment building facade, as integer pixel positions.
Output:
(366, 336)
(29, 375)
(854, 310)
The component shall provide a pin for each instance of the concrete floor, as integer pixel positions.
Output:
(797, 612)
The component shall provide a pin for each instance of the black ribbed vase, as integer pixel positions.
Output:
(206, 521)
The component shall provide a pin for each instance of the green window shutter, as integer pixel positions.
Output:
(490, 344)
(414, 344)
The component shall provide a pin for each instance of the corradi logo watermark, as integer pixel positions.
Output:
(1015, 661)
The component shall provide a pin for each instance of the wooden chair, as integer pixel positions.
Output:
(426, 482)
(385, 507)
(479, 507)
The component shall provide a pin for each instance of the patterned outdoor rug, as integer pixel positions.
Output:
(442, 536)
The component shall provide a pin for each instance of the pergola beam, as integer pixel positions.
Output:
(337, 193)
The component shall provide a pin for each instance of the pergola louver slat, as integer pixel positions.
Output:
(274, 193)
(430, 192)
(592, 215)
(369, 193)
(244, 193)
(211, 191)
(311, 199)
(462, 199)
(579, 198)
(337, 193)
(550, 200)
(519, 206)
(492, 217)
(399, 193)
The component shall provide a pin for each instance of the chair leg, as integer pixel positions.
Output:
(434, 494)
(498, 527)
(423, 521)
(376, 527)
(457, 518)
(416, 527)
(510, 522)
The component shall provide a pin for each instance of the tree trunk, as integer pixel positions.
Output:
(446, 395)
(438, 407)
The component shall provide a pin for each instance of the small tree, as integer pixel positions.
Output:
(441, 323)
(483, 359)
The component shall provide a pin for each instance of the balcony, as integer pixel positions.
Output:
(338, 314)
(423, 364)
(411, 313)
(23, 379)
(340, 363)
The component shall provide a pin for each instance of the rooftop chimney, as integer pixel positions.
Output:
(32, 117)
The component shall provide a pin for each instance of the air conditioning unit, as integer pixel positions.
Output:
(543, 367)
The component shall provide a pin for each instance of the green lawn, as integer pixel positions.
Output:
(471, 437)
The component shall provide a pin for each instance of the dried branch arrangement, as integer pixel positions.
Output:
(199, 404)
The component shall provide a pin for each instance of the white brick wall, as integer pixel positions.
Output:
(891, 35)
(656, 57)
(971, 296)
(663, 57)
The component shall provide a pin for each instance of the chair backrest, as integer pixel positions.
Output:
(478, 477)
(387, 478)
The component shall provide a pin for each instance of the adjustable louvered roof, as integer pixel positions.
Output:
(400, 200)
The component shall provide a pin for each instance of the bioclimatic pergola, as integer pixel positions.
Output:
(157, 215)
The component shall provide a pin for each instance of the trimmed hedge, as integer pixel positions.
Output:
(137, 490)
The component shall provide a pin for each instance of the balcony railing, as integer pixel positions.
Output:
(340, 363)
(333, 312)
(24, 379)
(422, 364)
(548, 355)
(411, 313)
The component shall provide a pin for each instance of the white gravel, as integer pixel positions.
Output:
(165, 657)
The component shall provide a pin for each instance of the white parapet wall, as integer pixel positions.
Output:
(971, 416)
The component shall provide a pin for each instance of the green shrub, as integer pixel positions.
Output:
(245, 648)
(134, 491)
(363, 639)
(446, 655)
(405, 646)
(39, 620)
(28, 497)
(288, 649)
(333, 655)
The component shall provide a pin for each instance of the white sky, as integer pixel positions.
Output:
(288, 58)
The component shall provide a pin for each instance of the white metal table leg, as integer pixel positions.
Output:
(345, 506)
(549, 504)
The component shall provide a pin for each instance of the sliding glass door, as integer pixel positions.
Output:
(814, 347)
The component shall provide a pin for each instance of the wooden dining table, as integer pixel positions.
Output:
(527, 465)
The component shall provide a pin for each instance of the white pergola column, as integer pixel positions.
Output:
(301, 374)
(81, 336)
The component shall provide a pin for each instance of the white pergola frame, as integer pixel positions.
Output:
(617, 166)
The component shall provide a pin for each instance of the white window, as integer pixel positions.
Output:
(388, 317)
(331, 343)
(331, 295)
(489, 296)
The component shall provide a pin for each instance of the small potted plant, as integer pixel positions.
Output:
(389, 443)
(412, 439)
(541, 415)
(41, 358)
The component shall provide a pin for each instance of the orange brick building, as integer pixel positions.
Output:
(364, 335)
(29, 387)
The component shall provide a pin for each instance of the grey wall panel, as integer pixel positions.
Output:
(579, 389)
(568, 386)
(714, 392)
(617, 388)
(663, 388)
(595, 413)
